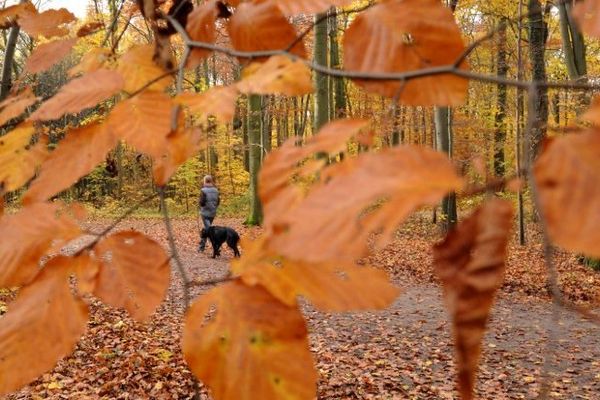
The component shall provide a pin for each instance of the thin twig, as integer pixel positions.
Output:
(113, 24)
(211, 282)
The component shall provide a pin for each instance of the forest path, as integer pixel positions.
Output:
(403, 352)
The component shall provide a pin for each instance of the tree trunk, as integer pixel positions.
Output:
(338, 86)
(321, 100)
(443, 134)
(9, 58)
(254, 142)
(501, 102)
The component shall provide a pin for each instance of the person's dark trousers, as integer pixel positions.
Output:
(207, 221)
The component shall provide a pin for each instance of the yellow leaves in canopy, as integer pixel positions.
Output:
(143, 121)
(470, 263)
(295, 7)
(254, 347)
(569, 185)
(217, 101)
(408, 35)
(41, 326)
(76, 156)
(138, 69)
(279, 75)
(47, 54)
(134, 273)
(48, 23)
(262, 26)
(80, 93)
(27, 236)
(15, 105)
(18, 157)
(201, 28)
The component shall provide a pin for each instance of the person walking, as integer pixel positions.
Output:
(208, 203)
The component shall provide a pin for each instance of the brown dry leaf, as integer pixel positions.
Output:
(27, 236)
(279, 75)
(255, 347)
(262, 26)
(80, 93)
(48, 23)
(409, 35)
(9, 15)
(139, 69)
(470, 263)
(18, 158)
(85, 268)
(41, 326)
(295, 7)
(92, 60)
(46, 55)
(15, 105)
(143, 121)
(201, 28)
(134, 273)
(89, 28)
(76, 156)
(217, 101)
(329, 286)
(569, 185)
(587, 15)
(181, 146)
(318, 229)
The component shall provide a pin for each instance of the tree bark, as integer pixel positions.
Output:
(321, 100)
(501, 101)
(254, 135)
(9, 58)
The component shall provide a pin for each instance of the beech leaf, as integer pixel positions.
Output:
(295, 7)
(10, 14)
(15, 105)
(48, 23)
(255, 347)
(587, 15)
(138, 69)
(409, 35)
(134, 274)
(470, 262)
(201, 27)
(181, 146)
(279, 75)
(47, 54)
(93, 60)
(219, 101)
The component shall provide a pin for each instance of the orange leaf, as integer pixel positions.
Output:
(47, 24)
(27, 236)
(18, 158)
(89, 28)
(217, 101)
(201, 28)
(279, 75)
(41, 326)
(255, 347)
(569, 183)
(330, 287)
(92, 60)
(46, 55)
(15, 105)
(409, 35)
(470, 264)
(262, 26)
(76, 155)
(86, 269)
(181, 146)
(80, 93)
(134, 273)
(9, 15)
(143, 121)
(138, 69)
(295, 7)
(587, 15)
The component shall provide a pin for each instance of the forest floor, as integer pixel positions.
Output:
(404, 352)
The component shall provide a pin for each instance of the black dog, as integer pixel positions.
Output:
(219, 234)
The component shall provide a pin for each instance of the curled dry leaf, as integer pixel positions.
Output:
(409, 35)
(41, 326)
(329, 286)
(18, 157)
(143, 121)
(470, 263)
(259, 26)
(568, 183)
(374, 191)
(90, 28)
(15, 105)
(80, 93)
(134, 273)
(46, 55)
(9, 15)
(217, 101)
(587, 15)
(27, 236)
(279, 75)
(201, 28)
(295, 7)
(76, 156)
(93, 60)
(254, 347)
(48, 23)
(139, 69)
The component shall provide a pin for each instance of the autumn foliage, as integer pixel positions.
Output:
(247, 339)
